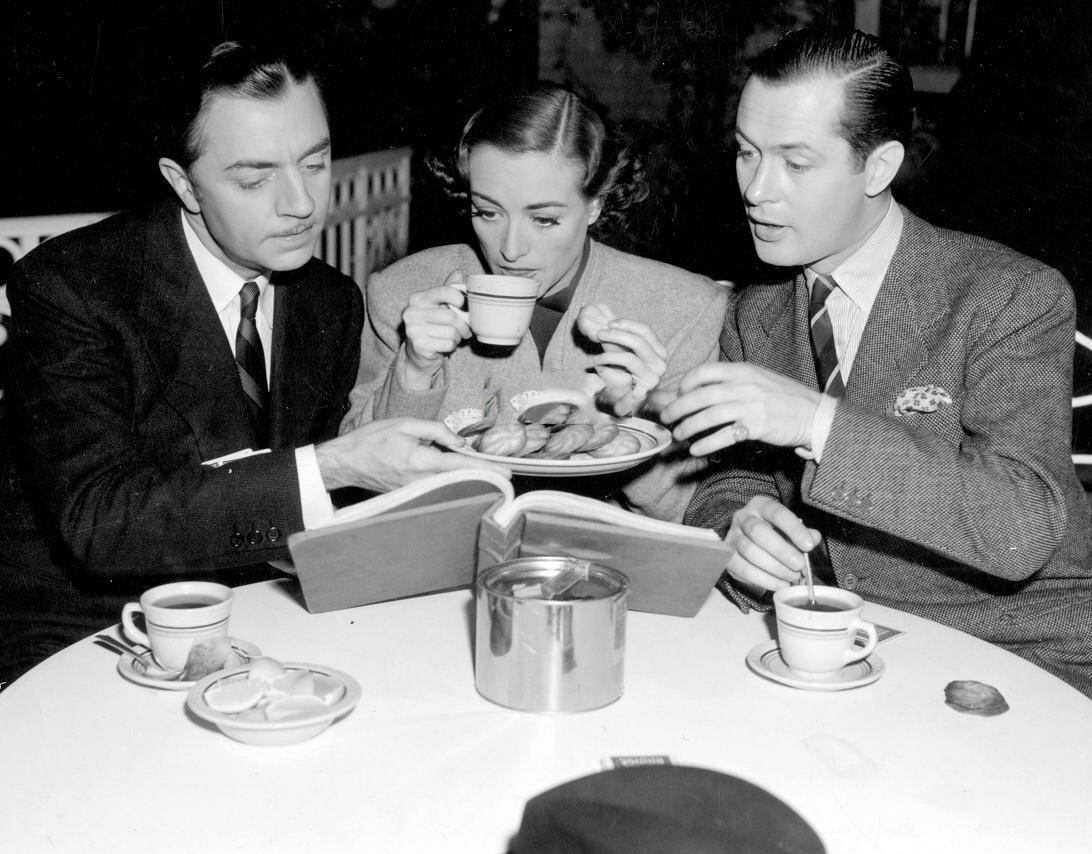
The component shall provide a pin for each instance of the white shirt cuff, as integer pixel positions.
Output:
(314, 499)
(820, 429)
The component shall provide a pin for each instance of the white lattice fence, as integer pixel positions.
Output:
(18, 235)
(368, 225)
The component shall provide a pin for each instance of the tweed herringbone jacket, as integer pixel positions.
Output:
(970, 515)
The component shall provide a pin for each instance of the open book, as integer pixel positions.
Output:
(435, 534)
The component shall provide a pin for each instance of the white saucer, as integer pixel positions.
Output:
(135, 668)
(765, 660)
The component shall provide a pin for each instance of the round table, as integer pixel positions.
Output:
(90, 762)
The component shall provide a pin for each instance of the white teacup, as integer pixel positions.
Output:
(816, 642)
(179, 617)
(499, 307)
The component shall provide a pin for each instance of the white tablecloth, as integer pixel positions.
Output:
(92, 763)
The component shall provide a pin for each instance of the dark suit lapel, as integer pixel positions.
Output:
(911, 300)
(280, 391)
(299, 379)
(186, 341)
(291, 394)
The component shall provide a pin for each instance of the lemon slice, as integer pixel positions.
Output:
(292, 682)
(328, 690)
(297, 705)
(230, 698)
(265, 669)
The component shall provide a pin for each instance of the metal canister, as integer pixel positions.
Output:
(551, 634)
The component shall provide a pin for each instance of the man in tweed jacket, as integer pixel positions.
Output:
(940, 482)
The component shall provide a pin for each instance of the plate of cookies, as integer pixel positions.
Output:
(557, 435)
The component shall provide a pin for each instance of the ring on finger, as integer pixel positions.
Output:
(740, 433)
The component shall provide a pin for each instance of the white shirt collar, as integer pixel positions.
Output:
(222, 283)
(861, 274)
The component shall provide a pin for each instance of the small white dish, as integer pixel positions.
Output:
(577, 398)
(461, 418)
(765, 660)
(143, 670)
(290, 730)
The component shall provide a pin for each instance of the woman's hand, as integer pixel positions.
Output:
(633, 360)
(435, 325)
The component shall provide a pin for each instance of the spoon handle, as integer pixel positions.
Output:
(809, 578)
(150, 665)
(118, 646)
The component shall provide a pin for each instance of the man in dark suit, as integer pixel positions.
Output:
(152, 351)
(904, 397)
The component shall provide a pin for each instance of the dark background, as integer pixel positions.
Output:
(1004, 154)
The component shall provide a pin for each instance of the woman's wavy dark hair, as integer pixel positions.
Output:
(550, 118)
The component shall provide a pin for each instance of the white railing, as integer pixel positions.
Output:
(367, 228)
(368, 224)
(1083, 459)
(19, 235)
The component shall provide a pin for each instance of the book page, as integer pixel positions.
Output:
(668, 573)
(589, 508)
(430, 490)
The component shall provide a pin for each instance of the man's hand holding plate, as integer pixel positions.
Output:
(383, 455)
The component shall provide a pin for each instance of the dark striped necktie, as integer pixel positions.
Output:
(822, 338)
(250, 357)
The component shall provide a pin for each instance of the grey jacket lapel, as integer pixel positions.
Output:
(773, 325)
(895, 342)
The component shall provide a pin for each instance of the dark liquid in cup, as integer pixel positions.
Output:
(186, 601)
(806, 604)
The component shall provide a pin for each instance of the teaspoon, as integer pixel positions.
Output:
(809, 579)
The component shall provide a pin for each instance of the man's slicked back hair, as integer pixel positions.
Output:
(236, 70)
(877, 91)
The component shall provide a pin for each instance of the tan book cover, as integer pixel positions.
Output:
(435, 534)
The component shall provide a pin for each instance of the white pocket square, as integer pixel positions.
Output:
(922, 398)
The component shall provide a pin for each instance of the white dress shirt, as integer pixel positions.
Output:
(223, 285)
(849, 305)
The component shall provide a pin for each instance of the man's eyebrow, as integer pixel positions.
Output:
(780, 148)
(317, 148)
(794, 146)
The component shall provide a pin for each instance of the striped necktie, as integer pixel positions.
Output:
(250, 358)
(822, 338)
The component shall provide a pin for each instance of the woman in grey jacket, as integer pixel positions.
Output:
(539, 170)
